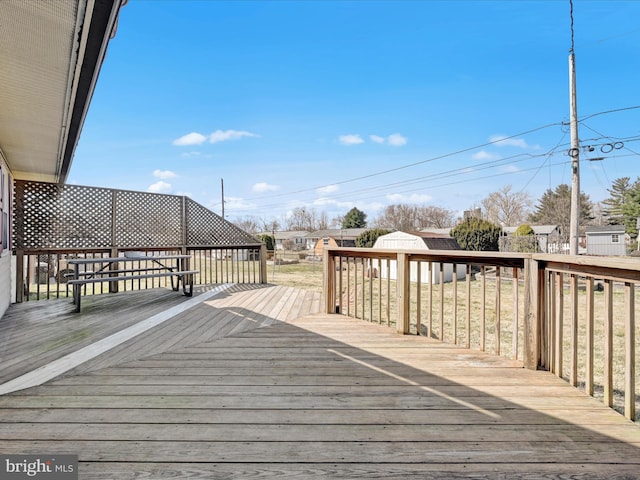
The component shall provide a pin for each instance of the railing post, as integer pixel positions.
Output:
(20, 276)
(263, 263)
(534, 313)
(113, 286)
(402, 292)
(329, 275)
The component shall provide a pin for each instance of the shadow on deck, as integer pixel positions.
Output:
(252, 382)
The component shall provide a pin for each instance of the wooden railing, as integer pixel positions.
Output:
(545, 311)
(44, 273)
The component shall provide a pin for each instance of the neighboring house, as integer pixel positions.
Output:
(417, 241)
(51, 54)
(607, 240)
(292, 238)
(547, 236)
(345, 237)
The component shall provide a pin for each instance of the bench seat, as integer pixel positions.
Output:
(77, 283)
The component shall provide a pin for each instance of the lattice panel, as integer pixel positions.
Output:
(148, 220)
(207, 228)
(49, 215)
(53, 216)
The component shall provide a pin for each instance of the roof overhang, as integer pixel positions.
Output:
(50, 56)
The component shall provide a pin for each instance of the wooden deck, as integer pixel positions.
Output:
(254, 383)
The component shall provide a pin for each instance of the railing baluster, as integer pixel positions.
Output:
(588, 380)
(455, 303)
(380, 291)
(552, 316)
(515, 326)
(418, 296)
(483, 306)
(388, 292)
(498, 308)
(348, 292)
(430, 311)
(630, 352)
(573, 374)
(441, 306)
(608, 343)
(559, 325)
(468, 324)
(370, 290)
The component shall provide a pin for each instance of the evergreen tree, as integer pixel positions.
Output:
(631, 209)
(367, 238)
(554, 208)
(354, 219)
(614, 204)
(477, 234)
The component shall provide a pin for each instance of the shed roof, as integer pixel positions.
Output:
(606, 229)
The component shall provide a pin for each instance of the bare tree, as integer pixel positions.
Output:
(397, 217)
(270, 224)
(414, 217)
(507, 208)
(248, 223)
(435, 217)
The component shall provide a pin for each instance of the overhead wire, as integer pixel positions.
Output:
(461, 170)
(402, 167)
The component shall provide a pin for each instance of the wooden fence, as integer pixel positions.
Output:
(573, 316)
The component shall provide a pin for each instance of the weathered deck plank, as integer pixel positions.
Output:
(241, 387)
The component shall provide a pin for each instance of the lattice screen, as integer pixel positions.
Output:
(148, 219)
(206, 228)
(48, 215)
(53, 216)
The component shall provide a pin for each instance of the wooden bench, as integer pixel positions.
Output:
(105, 274)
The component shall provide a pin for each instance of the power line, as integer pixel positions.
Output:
(432, 159)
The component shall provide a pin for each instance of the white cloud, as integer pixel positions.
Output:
(190, 154)
(164, 174)
(327, 189)
(502, 141)
(350, 139)
(510, 169)
(192, 138)
(484, 155)
(237, 203)
(159, 187)
(396, 140)
(413, 198)
(262, 187)
(226, 135)
(376, 139)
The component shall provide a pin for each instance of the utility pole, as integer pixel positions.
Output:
(574, 221)
(222, 190)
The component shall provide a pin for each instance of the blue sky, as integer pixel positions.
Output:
(333, 104)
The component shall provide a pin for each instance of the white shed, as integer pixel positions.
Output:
(418, 241)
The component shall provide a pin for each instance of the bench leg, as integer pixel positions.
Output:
(189, 292)
(77, 294)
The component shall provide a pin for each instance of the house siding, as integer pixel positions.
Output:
(6, 286)
(601, 243)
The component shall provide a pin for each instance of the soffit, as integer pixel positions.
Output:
(50, 55)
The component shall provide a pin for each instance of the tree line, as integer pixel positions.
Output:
(504, 207)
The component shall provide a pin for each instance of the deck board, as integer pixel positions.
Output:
(255, 383)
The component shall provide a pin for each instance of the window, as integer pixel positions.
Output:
(615, 238)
